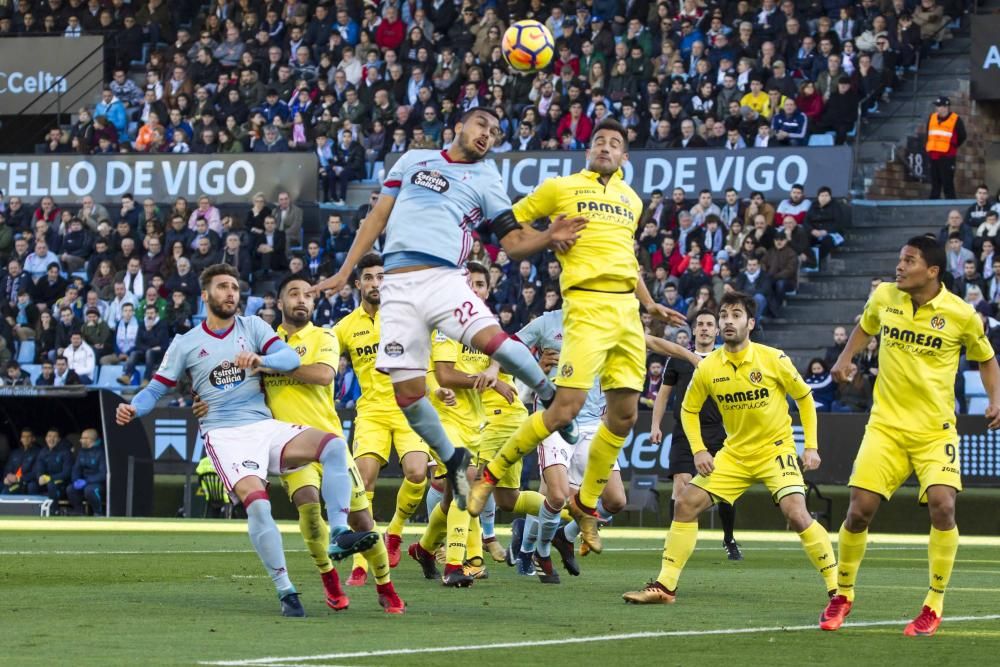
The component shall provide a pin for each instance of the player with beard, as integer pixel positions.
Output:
(305, 396)
(379, 426)
(224, 356)
(430, 204)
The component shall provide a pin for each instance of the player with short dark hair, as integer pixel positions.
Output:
(749, 383)
(923, 329)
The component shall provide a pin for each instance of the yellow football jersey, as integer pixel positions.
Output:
(603, 258)
(468, 410)
(308, 404)
(918, 357)
(358, 334)
(750, 389)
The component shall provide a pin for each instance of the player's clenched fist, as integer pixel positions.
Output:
(810, 459)
(124, 413)
(843, 371)
(249, 360)
(704, 462)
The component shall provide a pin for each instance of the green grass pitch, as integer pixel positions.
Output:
(89, 592)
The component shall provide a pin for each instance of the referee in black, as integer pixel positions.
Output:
(676, 378)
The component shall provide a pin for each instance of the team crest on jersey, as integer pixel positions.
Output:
(301, 349)
(937, 322)
(756, 376)
(242, 342)
(226, 375)
(432, 180)
(566, 371)
(393, 349)
(624, 199)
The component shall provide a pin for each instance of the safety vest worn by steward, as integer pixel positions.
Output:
(940, 133)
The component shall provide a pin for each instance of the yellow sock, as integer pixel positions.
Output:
(677, 548)
(528, 503)
(378, 558)
(941, 552)
(359, 559)
(316, 535)
(458, 533)
(604, 450)
(816, 542)
(565, 515)
(437, 525)
(474, 544)
(407, 501)
(850, 549)
(522, 442)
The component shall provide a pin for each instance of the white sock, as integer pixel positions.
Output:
(530, 533)
(337, 484)
(266, 540)
(548, 524)
(488, 517)
(433, 498)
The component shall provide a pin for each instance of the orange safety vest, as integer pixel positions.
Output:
(940, 133)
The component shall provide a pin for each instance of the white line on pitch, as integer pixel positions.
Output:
(273, 660)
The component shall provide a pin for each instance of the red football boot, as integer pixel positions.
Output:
(335, 598)
(924, 625)
(392, 546)
(389, 599)
(836, 611)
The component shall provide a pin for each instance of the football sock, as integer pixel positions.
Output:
(677, 548)
(816, 542)
(572, 529)
(529, 503)
(516, 359)
(378, 558)
(548, 524)
(361, 560)
(458, 532)
(474, 543)
(316, 535)
(437, 526)
(521, 443)
(337, 483)
(727, 515)
(424, 420)
(850, 549)
(407, 501)
(433, 499)
(941, 552)
(530, 536)
(266, 540)
(604, 450)
(487, 518)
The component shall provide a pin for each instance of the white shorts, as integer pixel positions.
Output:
(416, 303)
(250, 450)
(554, 451)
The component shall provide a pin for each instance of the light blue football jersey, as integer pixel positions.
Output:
(234, 397)
(546, 332)
(439, 203)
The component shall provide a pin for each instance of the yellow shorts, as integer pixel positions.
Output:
(312, 475)
(886, 460)
(495, 436)
(375, 436)
(460, 435)
(602, 336)
(776, 467)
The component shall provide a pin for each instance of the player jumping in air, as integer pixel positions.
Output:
(304, 396)
(923, 328)
(243, 440)
(379, 426)
(677, 376)
(429, 206)
(749, 383)
(604, 336)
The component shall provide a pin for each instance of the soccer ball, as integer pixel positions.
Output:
(528, 46)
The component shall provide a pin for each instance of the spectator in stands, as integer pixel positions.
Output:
(347, 388)
(693, 278)
(945, 134)
(126, 333)
(112, 110)
(796, 206)
(17, 471)
(207, 212)
(953, 225)
(337, 239)
(819, 380)
(49, 288)
(117, 303)
(96, 332)
(39, 262)
(151, 341)
(957, 254)
(80, 358)
(840, 111)
(969, 279)
(755, 282)
(289, 217)
(839, 343)
(826, 217)
(651, 385)
(14, 375)
(855, 395)
(132, 277)
(781, 262)
(50, 475)
(89, 475)
(790, 126)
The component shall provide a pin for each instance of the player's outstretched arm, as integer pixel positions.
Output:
(659, 407)
(319, 374)
(845, 368)
(449, 378)
(671, 349)
(520, 242)
(371, 228)
(989, 371)
(142, 403)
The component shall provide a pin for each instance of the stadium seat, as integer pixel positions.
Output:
(108, 377)
(26, 352)
(978, 405)
(33, 370)
(974, 384)
(825, 139)
(254, 303)
(643, 496)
